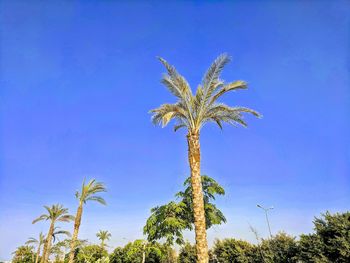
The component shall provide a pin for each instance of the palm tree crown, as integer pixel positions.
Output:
(103, 235)
(194, 110)
(55, 213)
(89, 190)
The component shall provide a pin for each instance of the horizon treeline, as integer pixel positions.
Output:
(164, 228)
(329, 243)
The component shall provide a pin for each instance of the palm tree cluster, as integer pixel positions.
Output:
(57, 213)
(192, 111)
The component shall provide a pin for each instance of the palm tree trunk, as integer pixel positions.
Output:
(37, 253)
(47, 244)
(194, 156)
(75, 233)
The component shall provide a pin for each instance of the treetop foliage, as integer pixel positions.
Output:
(194, 110)
(170, 220)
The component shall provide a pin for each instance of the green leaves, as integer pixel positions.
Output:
(334, 233)
(103, 235)
(55, 213)
(23, 254)
(170, 220)
(42, 217)
(167, 221)
(89, 190)
(90, 253)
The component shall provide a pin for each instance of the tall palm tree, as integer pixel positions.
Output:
(39, 242)
(55, 213)
(88, 193)
(192, 111)
(103, 236)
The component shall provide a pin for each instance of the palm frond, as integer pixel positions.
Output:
(166, 112)
(232, 115)
(239, 84)
(32, 240)
(66, 218)
(179, 126)
(176, 83)
(179, 87)
(97, 199)
(42, 217)
(211, 79)
(60, 232)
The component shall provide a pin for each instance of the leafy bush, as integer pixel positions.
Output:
(231, 250)
(187, 254)
(330, 242)
(311, 249)
(133, 253)
(281, 248)
(90, 254)
(118, 256)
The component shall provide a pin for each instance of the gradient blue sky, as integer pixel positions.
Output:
(77, 80)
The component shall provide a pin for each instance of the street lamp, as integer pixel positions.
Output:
(267, 218)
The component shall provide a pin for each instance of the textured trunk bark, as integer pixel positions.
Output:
(47, 244)
(75, 233)
(194, 157)
(37, 253)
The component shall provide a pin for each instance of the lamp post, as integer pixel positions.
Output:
(267, 218)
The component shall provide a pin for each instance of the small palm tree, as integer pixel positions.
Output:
(103, 236)
(55, 213)
(39, 242)
(88, 193)
(193, 111)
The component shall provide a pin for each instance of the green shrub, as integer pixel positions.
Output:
(231, 250)
(330, 242)
(91, 253)
(24, 254)
(187, 254)
(281, 248)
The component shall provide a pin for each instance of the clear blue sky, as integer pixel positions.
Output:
(77, 80)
